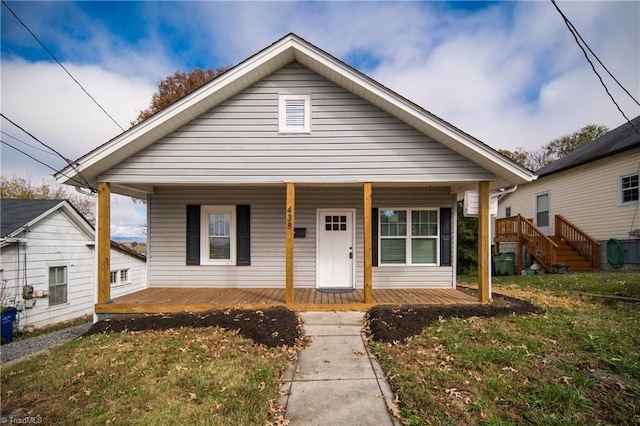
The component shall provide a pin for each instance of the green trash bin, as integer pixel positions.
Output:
(499, 266)
(509, 261)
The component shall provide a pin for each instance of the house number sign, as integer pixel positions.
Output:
(289, 218)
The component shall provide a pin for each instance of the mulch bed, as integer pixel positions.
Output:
(387, 323)
(272, 327)
(281, 326)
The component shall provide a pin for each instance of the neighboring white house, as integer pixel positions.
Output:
(291, 144)
(48, 262)
(595, 188)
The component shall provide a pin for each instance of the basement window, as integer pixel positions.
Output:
(294, 113)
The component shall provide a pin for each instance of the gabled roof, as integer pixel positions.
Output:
(288, 49)
(16, 215)
(620, 139)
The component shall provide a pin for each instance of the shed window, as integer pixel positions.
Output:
(120, 277)
(408, 237)
(57, 285)
(294, 113)
(629, 186)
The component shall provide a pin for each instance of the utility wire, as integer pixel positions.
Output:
(41, 162)
(62, 66)
(577, 37)
(27, 144)
(86, 183)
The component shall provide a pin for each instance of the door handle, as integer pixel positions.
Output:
(350, 252)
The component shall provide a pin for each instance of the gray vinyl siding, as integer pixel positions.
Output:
(350, 141)
(167, 236)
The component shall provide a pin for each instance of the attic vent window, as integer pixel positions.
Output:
(294, 113)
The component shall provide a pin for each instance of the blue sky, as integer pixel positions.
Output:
(509, 73)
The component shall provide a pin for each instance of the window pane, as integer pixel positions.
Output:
(542, 210)
(542, 219)
(423, 250)
(630, 188)
(393, 250)
(630, 195)
(219, 248)
(219, 224)
(52, 276)
(393, 223)
(542, 202)
(424, 223)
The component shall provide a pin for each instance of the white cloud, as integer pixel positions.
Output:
(41, 98)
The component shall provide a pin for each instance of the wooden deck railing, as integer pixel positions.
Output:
(522, 230)
(588, 247)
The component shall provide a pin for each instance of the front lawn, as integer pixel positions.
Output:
(576, 363)
(203, 375)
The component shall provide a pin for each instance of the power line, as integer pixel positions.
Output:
(26, 143)
(86, 183)
(35, 159)
(62, 66)
(578, 37)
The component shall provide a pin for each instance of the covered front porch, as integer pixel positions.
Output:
(165, 297)
(167, 300)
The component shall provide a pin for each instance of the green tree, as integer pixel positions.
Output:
(564, 145)
(557, 148)
(23, 188)
(467, 242)
(176, 86)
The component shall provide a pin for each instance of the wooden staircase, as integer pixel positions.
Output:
(571, 248)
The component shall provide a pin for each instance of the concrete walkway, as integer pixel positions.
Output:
(336, 380)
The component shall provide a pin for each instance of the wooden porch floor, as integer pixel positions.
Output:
(164, 299)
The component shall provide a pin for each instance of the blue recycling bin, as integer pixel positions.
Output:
(7, 317)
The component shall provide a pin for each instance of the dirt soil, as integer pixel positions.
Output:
(281, 326)
(272, 327)
(389, 324)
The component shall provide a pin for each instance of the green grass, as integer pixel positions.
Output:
(186, 376)
(626, 284)
(578, 363)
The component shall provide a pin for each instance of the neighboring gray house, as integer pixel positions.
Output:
(48, 262)
(293, 170)
(594, 188)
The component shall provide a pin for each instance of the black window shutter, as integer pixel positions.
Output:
(193, 235)
(374, 236)
(445, 236)
(243, 235)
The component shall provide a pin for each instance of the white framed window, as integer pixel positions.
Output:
(57, 285)
(409, 237)
(218, 239)
(294, 113)
(629, 189)
(507, 211)
(543, 208)
(120, 277)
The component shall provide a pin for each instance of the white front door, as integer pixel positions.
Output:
(335, 249)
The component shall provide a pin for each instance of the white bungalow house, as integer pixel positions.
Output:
(48, 264)
(584, 207)
(290, 177)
